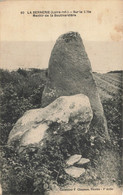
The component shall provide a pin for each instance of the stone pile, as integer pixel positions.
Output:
(75, 165)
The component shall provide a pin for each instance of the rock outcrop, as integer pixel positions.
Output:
(37, 125)
(70, 73)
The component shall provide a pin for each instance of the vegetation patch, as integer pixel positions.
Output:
(38, 171)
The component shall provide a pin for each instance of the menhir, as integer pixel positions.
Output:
(70, 73)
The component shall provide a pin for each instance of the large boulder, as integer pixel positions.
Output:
(70, 73)
(37, 126)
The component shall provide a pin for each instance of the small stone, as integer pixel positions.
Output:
(54, 187)
(73, 159)
(75, 171)
(83, 161)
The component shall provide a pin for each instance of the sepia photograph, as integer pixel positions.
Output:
(61, 71)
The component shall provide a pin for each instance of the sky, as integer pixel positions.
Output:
(27, 41)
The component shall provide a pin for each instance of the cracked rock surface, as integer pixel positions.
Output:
(67, 112)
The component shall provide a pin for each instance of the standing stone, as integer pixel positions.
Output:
(70, 73)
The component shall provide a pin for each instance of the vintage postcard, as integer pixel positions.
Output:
(61, 70)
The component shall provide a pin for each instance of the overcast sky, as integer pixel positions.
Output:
(27, 41)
